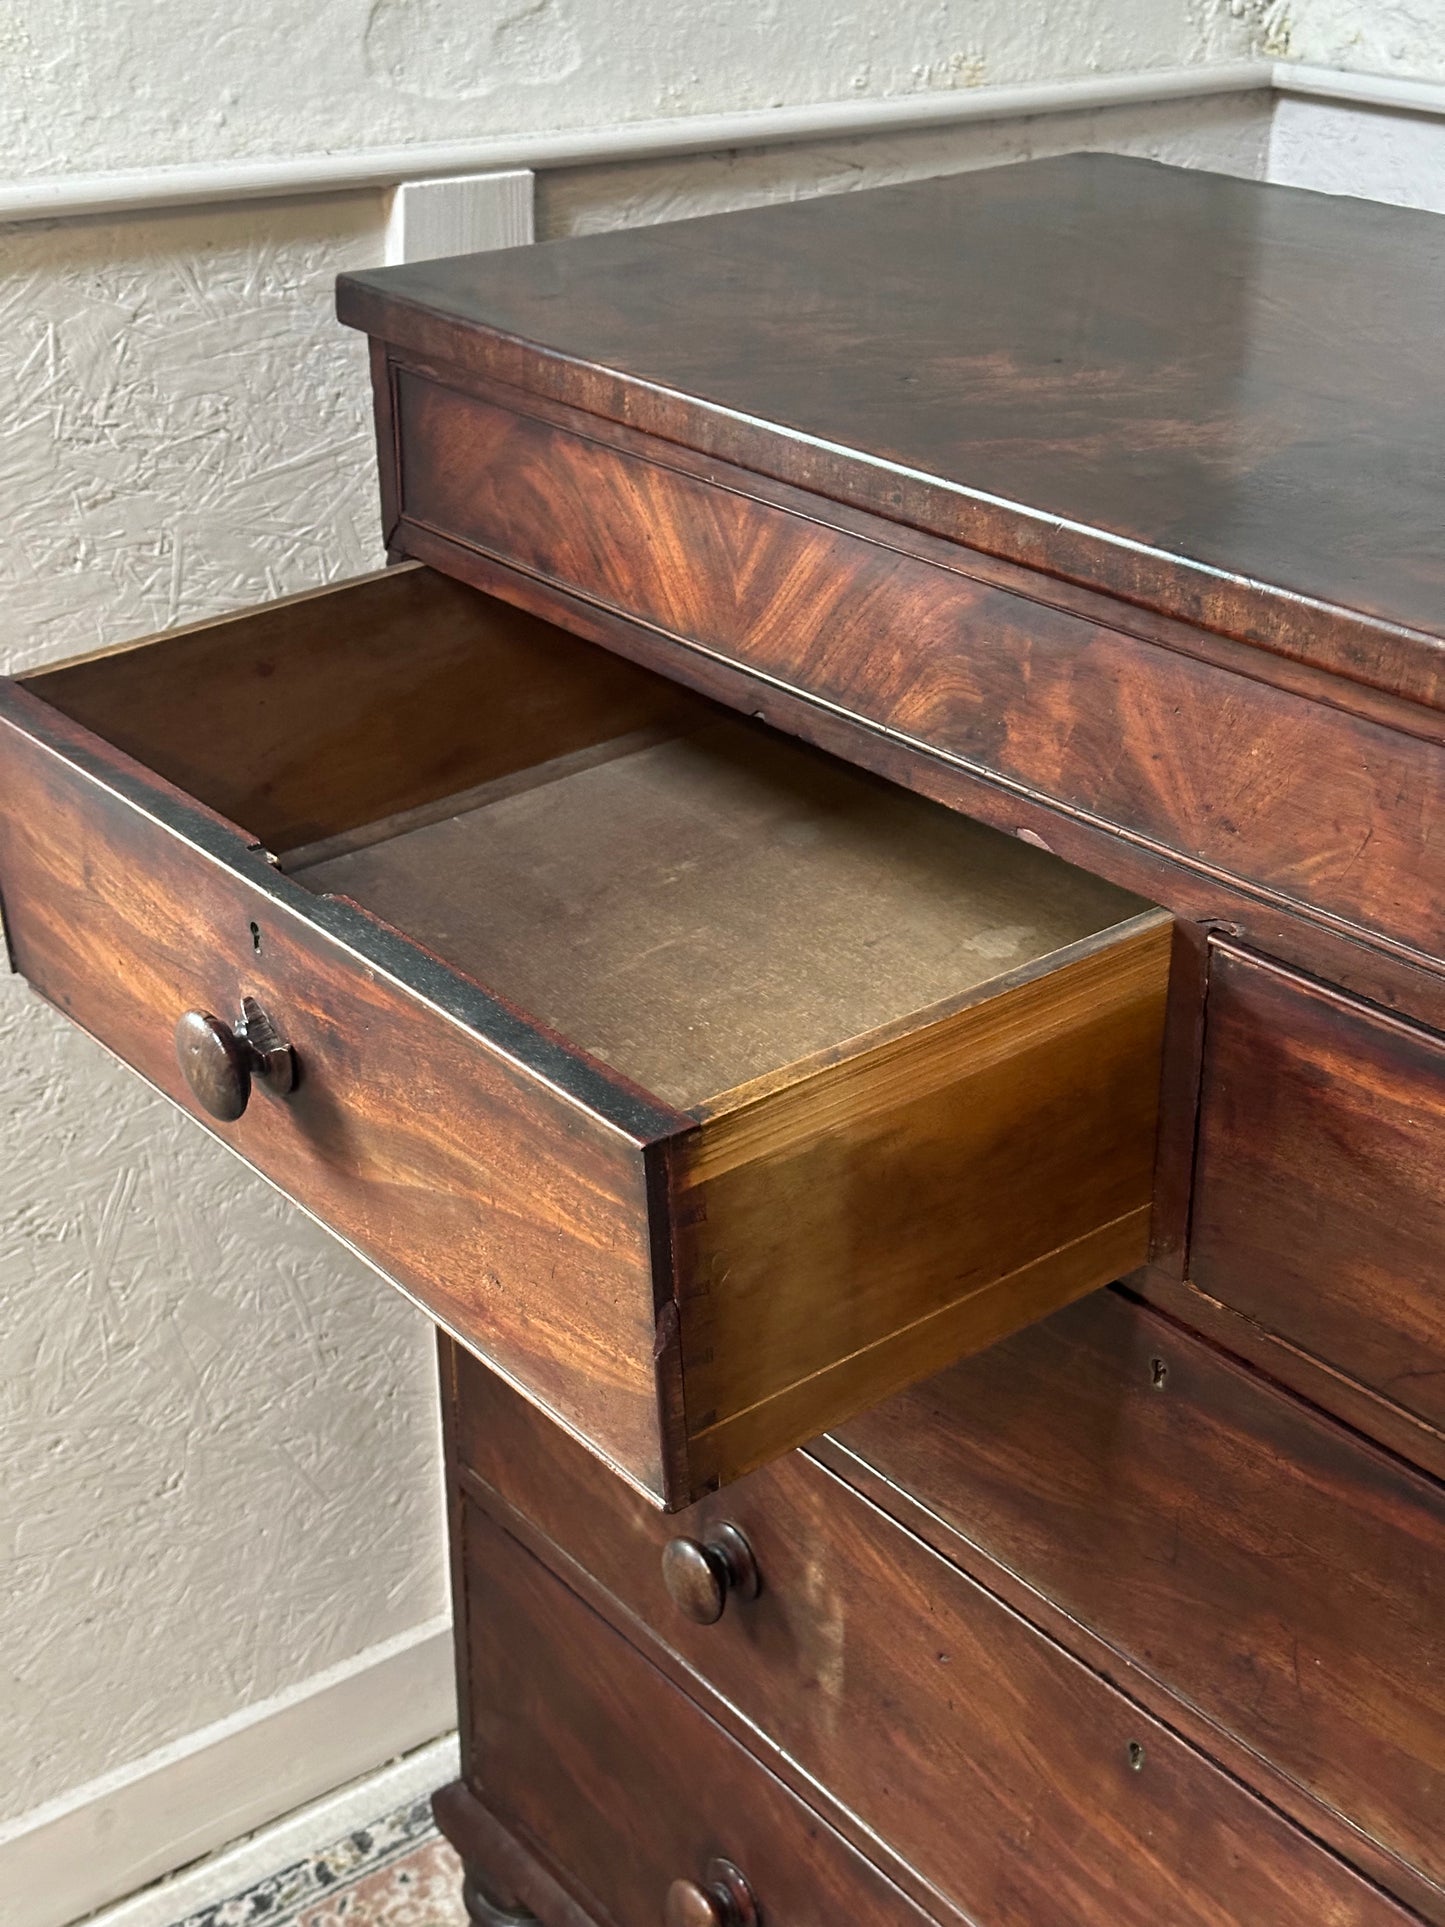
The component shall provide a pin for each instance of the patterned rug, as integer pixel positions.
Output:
(398, 1872)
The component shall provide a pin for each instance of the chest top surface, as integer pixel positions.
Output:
(1212, 397)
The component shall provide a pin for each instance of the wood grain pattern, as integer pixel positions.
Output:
(883, 1673)
(1263, 1564)
(1320, 1192)
(683, 1312)
(1327, 1387)
(1096, 499)
(916, 1196)
(1095, 523)
(1395, 975)
(308, 716)
(616, 1781)
(1249, 783)
(1197, 393)
(474, 1180)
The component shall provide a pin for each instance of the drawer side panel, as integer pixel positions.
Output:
(907, 1206)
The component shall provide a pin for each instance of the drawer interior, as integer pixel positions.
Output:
(694, 900)
(706, 908)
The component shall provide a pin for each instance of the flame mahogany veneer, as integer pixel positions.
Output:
(1101, 502)
(863, 924)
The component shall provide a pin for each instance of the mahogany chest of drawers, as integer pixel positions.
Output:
(860, 921)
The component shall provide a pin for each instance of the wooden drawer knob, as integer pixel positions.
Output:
(721, 1899)
(699, 1574)
(218, 1063)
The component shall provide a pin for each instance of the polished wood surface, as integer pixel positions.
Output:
(1396, 974)
(1094, 501)
(1319, 1208)
(1116, 528)
(915, 1201)
(770, 1017)
(617, 1782)
(881, 1672)
(1250, 1572)
(1068, 698)
(127, 904)
(1202, 394)
(1099, 501)
(1282, 1576)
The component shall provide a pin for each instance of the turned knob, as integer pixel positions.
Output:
(721, 1899)
(700, 1573)
(218, 1062)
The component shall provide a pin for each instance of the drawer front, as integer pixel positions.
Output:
(470, 1183)
(1085, 715)
(617, 1782)
(1255, 1558)
(914, 1696)
(1319, 1204)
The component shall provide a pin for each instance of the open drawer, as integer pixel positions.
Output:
(705, 1087)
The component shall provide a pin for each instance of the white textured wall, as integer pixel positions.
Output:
(1347, 149)
(186, 428)
(1404, 37)
(143, 85)
(217, 1431)
(215, 1427)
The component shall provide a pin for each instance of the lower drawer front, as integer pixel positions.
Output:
(1257, 1559)
(915, 1697)
(1320, 1198)
(617, 1782)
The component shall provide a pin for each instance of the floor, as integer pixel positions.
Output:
(395, 1872)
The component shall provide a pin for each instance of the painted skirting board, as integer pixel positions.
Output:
(311, 1829)
(145, 189)
(115, 1835)
(50, 197)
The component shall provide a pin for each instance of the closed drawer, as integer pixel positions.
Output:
(706, 1088)
(616, 1781)
(1319, 1204)
(925, 639)
(887, 1676)
(1261, 1562)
